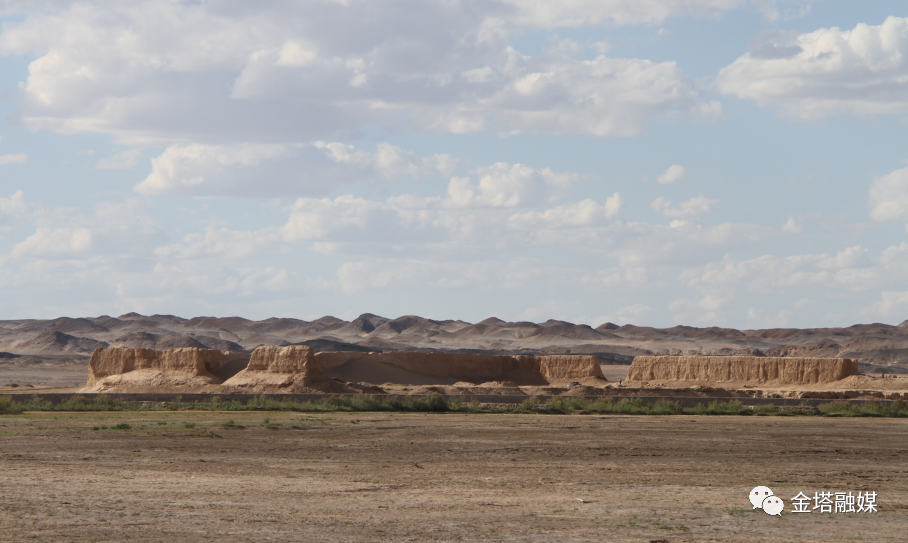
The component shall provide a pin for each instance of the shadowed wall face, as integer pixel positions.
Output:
(475, 368)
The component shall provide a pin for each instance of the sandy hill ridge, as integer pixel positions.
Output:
(874, 345)
(56, 343)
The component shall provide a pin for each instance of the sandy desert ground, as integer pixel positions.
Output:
(184, 476)
(44, 372)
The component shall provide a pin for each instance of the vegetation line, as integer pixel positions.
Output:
(434, 403)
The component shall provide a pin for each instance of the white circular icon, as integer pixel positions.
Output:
(773, 505)
(758, 494)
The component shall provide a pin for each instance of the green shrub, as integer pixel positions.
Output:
(666, 407)
(432, 402)
(897, 408)
(435, 403)
(9, 407)
(715, 407)
(765, 410)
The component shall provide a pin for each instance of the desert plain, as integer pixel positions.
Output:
(192, 475)
(201, 476)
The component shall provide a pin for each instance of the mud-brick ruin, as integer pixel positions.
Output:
(743, 370)
(296, 369)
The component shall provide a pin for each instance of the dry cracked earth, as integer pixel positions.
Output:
(202, 476)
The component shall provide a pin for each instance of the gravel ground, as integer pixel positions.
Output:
(197, 476)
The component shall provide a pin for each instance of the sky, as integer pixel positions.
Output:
(734, 163)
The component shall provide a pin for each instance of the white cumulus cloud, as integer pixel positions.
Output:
(120, 161)
(830, 71)
(672, 174)
(172, 72)
(854, 268)
(16, 158)
(15, 205)
(889, 196)
(295, 169)
(698, 205)
(53, 241)
(246, 169)
(388, 160)
(509, 185)
(584, 213)
(579, 13)
(791, 226)
(891, 304)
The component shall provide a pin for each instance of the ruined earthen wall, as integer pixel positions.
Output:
(742, 369)
(274, 359)
(328, 360)
(189, 359)
(297, 365)
(564, 367)
(474, 367)
(120, 360)
(277, 366)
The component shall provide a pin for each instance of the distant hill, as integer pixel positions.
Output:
(54, 343)
(872, 344)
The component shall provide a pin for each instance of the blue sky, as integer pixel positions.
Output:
(734, 163)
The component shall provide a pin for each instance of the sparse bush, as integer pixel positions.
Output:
(637, 406)
(531, 402)
(432, 402)
(569, 403)
(897, 408)
(436, 403)
(735, 511)
(733, 407)
(765, 410)
(365, 402)
(9, 407)
(666, 407)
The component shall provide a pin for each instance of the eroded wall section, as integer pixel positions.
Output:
(752, 370)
